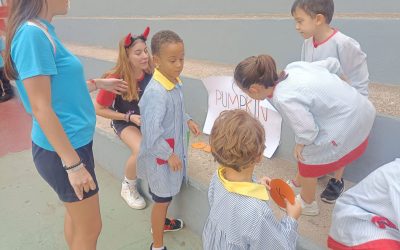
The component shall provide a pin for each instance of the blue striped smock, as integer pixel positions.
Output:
(238, 222)
(327, 115)
(370, 210)
(163, 117)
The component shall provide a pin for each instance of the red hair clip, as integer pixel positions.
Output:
(129, 39)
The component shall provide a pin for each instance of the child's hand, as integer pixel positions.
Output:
(194, 128)
(293, 211)
(298, 149)
(265, 181)
(135, 119)
(174, 162)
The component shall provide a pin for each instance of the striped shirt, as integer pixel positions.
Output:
(348, 51)
(238, 222)
(370, 210)
(163, 119)
(327, 115)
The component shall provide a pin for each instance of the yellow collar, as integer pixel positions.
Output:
(167, 84)
(250, 189)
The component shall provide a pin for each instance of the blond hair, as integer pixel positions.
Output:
(124, 70)
(237, 139)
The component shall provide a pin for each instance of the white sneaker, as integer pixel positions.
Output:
(132, 197)
(296, 189)
(308, 209)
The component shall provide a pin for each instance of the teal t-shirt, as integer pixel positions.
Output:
(33, 55)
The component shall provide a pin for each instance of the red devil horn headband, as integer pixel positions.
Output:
(146, 32)
(129, 39)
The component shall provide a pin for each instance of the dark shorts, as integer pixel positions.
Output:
(158, 199)
(118, 126)
(50, 167)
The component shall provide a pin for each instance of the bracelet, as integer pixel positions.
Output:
(75, 169)
(73, 166)
(128, 115)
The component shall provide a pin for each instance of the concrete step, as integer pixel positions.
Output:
(193, 7)
(230, 39)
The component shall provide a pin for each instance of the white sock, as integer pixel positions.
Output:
(157, 248)
(130, 182)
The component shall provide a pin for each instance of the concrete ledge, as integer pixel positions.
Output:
(385, 97)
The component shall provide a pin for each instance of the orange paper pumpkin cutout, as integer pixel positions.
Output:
(279, 191)
(199, 145)
(207, 149)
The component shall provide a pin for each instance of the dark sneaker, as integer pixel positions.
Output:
(333, 190)
(151, 247)
(173, 225)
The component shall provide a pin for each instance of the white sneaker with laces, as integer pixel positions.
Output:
(296, 189)
(132, 197)
(308, 209)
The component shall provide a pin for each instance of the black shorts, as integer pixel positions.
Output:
(50, 167)
(118, 126)
(158, 199)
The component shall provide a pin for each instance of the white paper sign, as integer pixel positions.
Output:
(223, 94)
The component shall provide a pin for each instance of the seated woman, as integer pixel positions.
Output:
(134, 65)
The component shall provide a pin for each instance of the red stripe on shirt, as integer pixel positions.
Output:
(316, 44)
(104, 97)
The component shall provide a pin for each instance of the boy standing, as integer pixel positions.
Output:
(162, 159)
(313, 19)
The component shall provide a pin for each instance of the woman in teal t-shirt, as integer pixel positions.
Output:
(51, 84)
